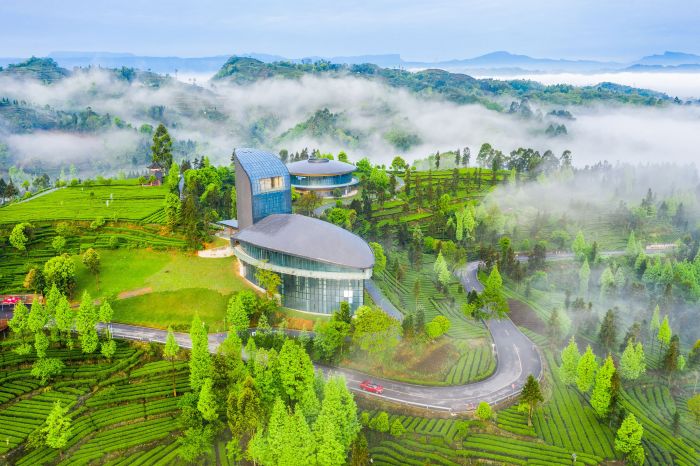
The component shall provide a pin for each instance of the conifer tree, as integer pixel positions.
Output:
(531, 395)
(57, 428)
(200, 359)
(493, 297)
(206, 404)
(608, 330)
(632, 362)
(569, 363)
(629, 440)
(585, 372)
(584, 276)
(664, 334)
(602, 394)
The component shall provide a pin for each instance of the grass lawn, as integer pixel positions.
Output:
(142, 270)
(161, 288)
(176, 308)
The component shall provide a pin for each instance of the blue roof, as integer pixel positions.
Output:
(260, 164)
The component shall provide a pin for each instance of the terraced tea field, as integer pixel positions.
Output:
(117, 202)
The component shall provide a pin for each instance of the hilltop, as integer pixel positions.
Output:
(456, 87)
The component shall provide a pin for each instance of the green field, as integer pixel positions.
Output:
(15, 264)
(176, 308)
(125, 202)
(161, 288)
(141, 270)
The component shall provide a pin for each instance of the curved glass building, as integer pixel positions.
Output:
(321, 265)
(323, 176)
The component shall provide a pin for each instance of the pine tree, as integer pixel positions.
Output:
(64, 319)
(606, 282)
(632, 362)
(170, 352)
(85, 322)
(600, 398)
(585, 372)
(38, 317)
(57, 428)
(296, 371)
(672, 355)
(632, 249)
(569, 363)
(664, 334)
(629, 440)
(200, 359)
(608, 330)
(493, 297)
(206, 404)
(19, 325)
(41, 344)
(579, 246)
(654, 323)
(108, 347)
(584, 276)
(244, 410)
(531, 395)
(161, 150)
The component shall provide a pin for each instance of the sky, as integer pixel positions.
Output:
(621, 30)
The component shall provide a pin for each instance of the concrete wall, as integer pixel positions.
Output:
(244, 198)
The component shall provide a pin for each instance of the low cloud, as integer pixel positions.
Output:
(219, 116)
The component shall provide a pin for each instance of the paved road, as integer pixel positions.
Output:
(517, 357)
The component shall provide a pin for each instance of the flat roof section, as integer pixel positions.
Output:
(310, 238)
(231, 223)
(320, 167)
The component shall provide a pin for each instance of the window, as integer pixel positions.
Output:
(271, 184)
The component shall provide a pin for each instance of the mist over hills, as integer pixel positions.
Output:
(497, 62)
(101, 119)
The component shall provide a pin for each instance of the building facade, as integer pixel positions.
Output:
(262, 186)
(323, 176)
(320, 264)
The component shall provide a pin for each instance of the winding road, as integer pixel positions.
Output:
(516, 356)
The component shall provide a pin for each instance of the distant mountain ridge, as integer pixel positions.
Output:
(498, 62)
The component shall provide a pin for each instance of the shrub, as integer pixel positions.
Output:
(397, 428)
(113, 242)
(364, 418)
(483, 411)
(380, 422)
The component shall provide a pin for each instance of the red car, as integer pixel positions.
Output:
(368, 386)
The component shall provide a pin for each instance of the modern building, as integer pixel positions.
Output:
(323, 176)
(320, 264)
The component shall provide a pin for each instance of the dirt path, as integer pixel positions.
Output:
(136, 292)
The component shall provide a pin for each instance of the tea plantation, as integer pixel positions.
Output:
(122, 411)
(125, 202)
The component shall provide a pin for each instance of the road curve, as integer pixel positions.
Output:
(516, 356)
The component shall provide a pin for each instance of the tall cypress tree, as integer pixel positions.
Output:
(161, 150)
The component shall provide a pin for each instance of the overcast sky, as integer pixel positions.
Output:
(418, 30)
